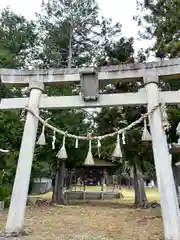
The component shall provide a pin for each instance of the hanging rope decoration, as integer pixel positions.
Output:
(77, 143)
(62, 154)
(53, 140)
(42, 139)
(146, 136)
(98, 147)
(23, 115)
(164, 116)
(89, 159)
(123, 138)
(117, 151)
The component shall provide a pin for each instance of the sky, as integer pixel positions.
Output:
(119, 10)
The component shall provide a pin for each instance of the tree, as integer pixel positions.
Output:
(162, 23)
(72, 35)
(45, 160)
(71, 121)
(17, 43)
(68, 32)
(107, 34)
(17, 39)
(136, 154)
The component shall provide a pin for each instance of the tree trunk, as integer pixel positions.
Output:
(139, 188)
(136, 187)
(58, 193)
(119, 178)
(68, 179)
(70, 49)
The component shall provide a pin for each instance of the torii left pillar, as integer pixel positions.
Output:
(15, 220)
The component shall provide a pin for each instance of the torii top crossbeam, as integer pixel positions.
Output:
(135, 71)
(165, 69)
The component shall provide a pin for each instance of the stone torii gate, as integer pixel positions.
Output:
(90, 80)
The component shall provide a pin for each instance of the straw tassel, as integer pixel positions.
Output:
(42, 139)
(99, 146)
(23, 115)
(53, 140)
(89, 159)
(77, 143)
(123, 138)
(117, 151)
(62, 154)
(164, 116)
(146, 136)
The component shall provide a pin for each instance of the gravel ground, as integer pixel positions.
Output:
(100, 220)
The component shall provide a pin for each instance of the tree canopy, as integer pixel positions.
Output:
(17, 39)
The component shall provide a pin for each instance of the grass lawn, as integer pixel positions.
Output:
(152, 193)
(96, 220)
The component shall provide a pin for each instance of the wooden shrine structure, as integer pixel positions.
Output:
(92, 175)
(91, 80)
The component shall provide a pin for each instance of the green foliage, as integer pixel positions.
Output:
(4, 193)
(116, 51)
(69, 28)
(17, 39)
(134, 151)
(72, 122)
(71, 34)
(162, 22)
(5, 190)
(74, 34)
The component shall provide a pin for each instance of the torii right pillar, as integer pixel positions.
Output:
(168, 196)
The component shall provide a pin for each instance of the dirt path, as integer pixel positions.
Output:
(93, 221)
